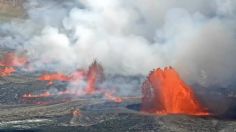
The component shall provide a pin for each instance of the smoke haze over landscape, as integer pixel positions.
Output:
(129, 37)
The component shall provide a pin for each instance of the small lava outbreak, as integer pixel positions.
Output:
(92, 77)
(50, 77)
(9, 61)
(6, 71)
(165, 93)
(12, 59)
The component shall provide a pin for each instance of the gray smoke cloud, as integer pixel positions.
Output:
(130, 37)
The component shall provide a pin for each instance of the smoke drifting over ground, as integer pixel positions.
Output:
(130, 37)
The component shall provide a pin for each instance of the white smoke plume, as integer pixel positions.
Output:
(130, 37)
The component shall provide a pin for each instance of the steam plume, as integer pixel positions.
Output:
(130, 37)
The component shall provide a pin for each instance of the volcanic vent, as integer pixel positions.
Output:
(165, 93)
(92, 78)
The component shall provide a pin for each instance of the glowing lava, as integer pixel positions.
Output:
(12, 59)
(113, 98)
(7, 71)
(45, 94)
(165, 93)
(92, 77)
(77, 75)
(53, 77)
(95, 74)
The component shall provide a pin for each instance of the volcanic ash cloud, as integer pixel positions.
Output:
(131, 37)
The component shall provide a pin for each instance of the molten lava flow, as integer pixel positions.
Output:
(7, 71)
(94, 75)
(113, 98)
(53, 77)
(165, 93)
(45, 94)
(77, 75)
(11, 59)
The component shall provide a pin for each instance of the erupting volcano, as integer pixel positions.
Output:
(53, 77)
(12, 59)
(95, 74)
(165, 93)
(92, 77)
(6, 71)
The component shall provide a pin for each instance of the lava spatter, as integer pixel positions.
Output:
(12, 59)
(95, 74)
(164, 92)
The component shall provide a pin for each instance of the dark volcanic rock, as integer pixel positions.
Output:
(96, 114)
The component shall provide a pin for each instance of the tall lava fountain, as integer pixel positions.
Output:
(165, 93)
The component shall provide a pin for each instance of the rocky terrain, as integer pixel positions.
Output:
(95, 114)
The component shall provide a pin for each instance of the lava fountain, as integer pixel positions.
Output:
(165, 93)
(95, 74)
(12, 59)
(92, 77)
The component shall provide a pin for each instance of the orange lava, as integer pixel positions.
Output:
(45, 94)
(50, 77)
(94, 75)
(12, 59)
(77, 75)
(113, 98)
(53, 77)
(165, 93)
(7, 71)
